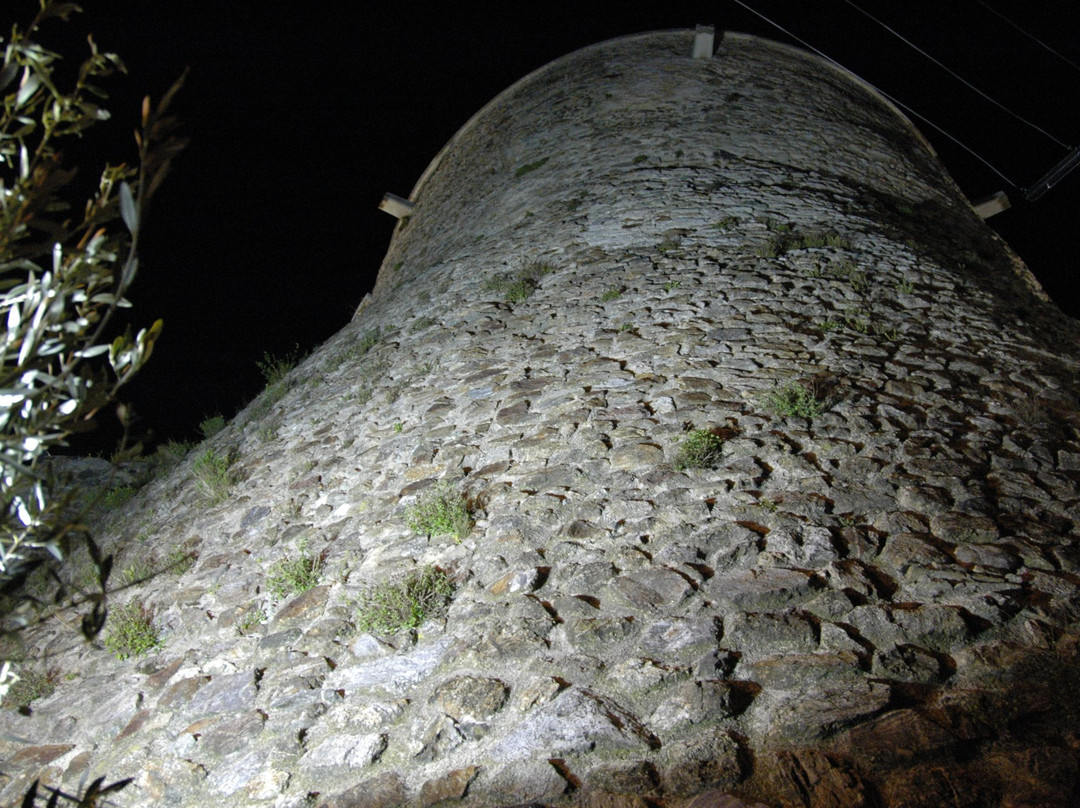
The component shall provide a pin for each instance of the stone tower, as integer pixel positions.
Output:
(771, 453)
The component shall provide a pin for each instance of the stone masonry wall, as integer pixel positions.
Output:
(868, 597)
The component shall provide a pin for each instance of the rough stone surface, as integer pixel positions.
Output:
(874, 603)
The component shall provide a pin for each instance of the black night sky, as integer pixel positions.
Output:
(267, 234)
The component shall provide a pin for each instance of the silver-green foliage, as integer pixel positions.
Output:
(405, 604)
(63, 273)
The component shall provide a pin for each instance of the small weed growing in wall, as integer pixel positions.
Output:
(641, 158)
(250, 620)
(518, 288)
(420, 323)
(726, 223)
(274, 369)
(368, 341)
(402, 605)
(784, 239)
(118, 496)
(212, 476)
(612, 293)
(291, 576)
(698, 449)
(671, 285)
(440, 512)
(795, 400)
(267, 433)
(170, 453)
(528, 167)
(178, 562)
(904, 287)
(212, 425)
(131, 631)
(136, 572)
(31, 686)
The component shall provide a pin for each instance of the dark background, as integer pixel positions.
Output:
(267, 234)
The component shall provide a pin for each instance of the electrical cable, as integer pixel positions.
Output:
(1029, 35)
(884, 94)
(956, 75)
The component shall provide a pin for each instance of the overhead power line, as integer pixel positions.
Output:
(1029, 35)
(884, 94)
(956, 75)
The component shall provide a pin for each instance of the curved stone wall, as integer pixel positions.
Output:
(866, 594)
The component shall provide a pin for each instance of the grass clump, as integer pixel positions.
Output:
(698, 449)
(291, 576)
(528, 167)
(250, 620)
(785, 239)
(402, 605)
(118, 496)
(420, 323)
(274, 369)
(131, 631)
(211, 426)
(178, 562)
(368, 341)
(212, 476)
(518, 287)
(612, 293)
(795, 400)
(171, 452)
(441, 512)
(29, 687)
(136, 572)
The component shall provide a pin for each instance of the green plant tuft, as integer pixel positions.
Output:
(518, 288)
(170, 453)
(250, 620)
(796, 399)
(440, 512)
(136, 572)
(274, 369)
(368, 341)
(402, 605)
(291, 576)
(178, 562)
(212, 476)
(212, 425)
(30, 686)
(131, 631)
(698, 449)
(525, 169)
(118, 496)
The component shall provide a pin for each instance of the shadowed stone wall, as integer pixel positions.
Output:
(867, 595)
